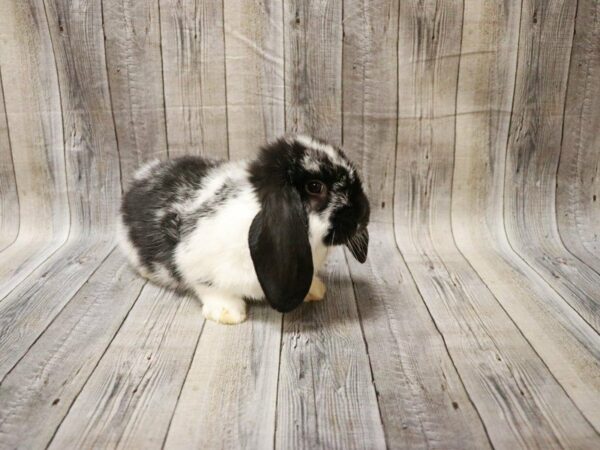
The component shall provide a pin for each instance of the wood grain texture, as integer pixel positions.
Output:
(326, 396)
(578, 178)
(533, 154)
(370, 97)
(38, 393)
(474, 323)
(563, 340)
(91, 154)
(254, 65)
(135, 75)
(422, 399)
(313, 64)
(34, 117)
(229, 396)
(194, 77)
(130, 397)
(9, 199)
(477, 331)
(92, 177)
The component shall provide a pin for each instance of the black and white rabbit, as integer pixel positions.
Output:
(251, 229)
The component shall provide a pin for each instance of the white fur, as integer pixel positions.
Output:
(217, 248)
(329, 150)
(146, 170)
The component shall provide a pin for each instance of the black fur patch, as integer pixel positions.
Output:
(154, 227)
(209, 207)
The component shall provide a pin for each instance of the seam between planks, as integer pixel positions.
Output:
(10, 152)
(508, 241)
(57, 314)
(278, 378)
(469, 262)
(187, 372)
(110, 98)
(354, 293)
(562, 136)
(225, 83)
(96, 365)
(409, 270)
(364, 338)
(162, 75)
(67, 238)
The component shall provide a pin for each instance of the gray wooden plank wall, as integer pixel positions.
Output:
(475, 321)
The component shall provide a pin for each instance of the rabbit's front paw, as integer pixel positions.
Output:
(317, 290)
(225, 310)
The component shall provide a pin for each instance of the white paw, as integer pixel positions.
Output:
(317, 290)
(227, 312)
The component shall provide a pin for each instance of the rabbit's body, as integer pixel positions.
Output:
(201, 225)
(194, 227)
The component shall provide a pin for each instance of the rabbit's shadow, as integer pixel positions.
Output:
(340, 307)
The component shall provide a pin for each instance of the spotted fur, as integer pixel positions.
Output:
(247, 229)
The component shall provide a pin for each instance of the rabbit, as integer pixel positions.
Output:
(247, 230)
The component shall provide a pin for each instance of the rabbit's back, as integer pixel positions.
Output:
(153, 214)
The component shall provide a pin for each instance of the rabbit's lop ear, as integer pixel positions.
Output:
(280, 249)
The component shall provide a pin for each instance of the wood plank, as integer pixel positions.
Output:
(422, 399)
(28, 310)
(9, 198)
(229, 397)
(533, 156)
(36, 395)
(194, 77)
(520, 402)
(568, 346)
(578, 179)
(226, 416)
(324, 372)
(370, 96)
(313, 66)
(135, 75)
(129, 399)
(92, 176)
(326, 395)
(255, 79)
(93, 173)
(33, 113)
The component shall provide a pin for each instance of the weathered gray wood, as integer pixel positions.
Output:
(135, 75)
(313, 64)
(499, 369)
(422, 399)
(9, 199)
(326, 394)
(533, 154)
(130, 397)
(418, 408)
(92, 158)
(194, 76)
(578, 179)
(34, 117)
(229, 396)
(92, 176)
(370, 98)
(474, 334)
(38, 393)
(254, 69)
(568, 346)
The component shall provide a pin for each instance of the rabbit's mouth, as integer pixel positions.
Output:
(358, 244)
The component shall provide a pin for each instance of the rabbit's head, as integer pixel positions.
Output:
(299, 181)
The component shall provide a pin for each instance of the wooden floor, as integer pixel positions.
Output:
(473, 324)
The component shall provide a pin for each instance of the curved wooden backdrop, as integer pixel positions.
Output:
(476, 126)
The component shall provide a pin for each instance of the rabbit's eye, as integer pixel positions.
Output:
(315, 187)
